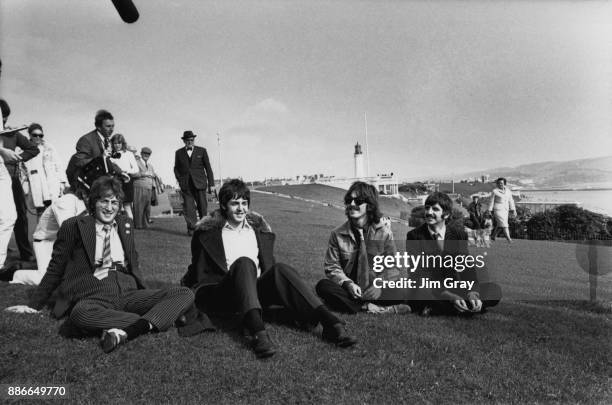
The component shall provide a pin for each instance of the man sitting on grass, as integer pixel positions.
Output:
(458, 291)
(94, 267)
(233, 270)
(349, 286)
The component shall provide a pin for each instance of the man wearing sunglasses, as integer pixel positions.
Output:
(349, 286)
(44, 172)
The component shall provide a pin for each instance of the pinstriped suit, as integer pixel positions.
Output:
(114, 302)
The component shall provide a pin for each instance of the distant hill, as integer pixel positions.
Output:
(592, 172)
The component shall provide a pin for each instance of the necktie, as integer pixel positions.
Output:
(439, 241)
(106, 143)
(107, 261)
(363, 268)
(189, 149)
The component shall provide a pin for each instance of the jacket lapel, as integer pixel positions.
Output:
(345, 229)
(87, 228)
(95, 139)
(213, 244)
(127, 242)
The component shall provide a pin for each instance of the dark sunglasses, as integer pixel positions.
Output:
(37, 135)
(358, 200)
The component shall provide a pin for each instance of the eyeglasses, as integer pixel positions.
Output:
(37, 135)
(112, 203)
(358, 200)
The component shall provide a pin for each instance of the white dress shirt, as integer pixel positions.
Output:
(240, 242)
(117, 253)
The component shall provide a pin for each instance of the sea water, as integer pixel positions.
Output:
(599, 201)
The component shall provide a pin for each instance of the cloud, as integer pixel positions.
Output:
(267, 117)
(268, 106)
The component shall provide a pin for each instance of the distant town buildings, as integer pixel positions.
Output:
(386, 183)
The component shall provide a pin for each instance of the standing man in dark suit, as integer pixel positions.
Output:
(92, 145)
(448, 242)
(94, 267)
(29, 150)
(194, 175)
(97, 142)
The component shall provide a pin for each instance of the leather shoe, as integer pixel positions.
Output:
(337, 335)
(111, 339)
(6, 272)
(262, 345)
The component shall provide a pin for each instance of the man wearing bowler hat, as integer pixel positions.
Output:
(194, 175)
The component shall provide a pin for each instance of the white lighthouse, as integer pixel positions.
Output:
(358, 157)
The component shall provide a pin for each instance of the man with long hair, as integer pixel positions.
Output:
(349, 286)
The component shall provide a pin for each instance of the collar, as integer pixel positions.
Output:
(345, 228)
(100, 225)
(441, 231)
(245, 225)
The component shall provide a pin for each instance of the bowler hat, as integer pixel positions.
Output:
(188, 134)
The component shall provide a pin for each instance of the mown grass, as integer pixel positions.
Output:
(554, 349)
(335, 196)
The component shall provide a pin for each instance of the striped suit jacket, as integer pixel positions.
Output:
(72, 266)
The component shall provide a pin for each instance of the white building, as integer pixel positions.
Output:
(385, 183)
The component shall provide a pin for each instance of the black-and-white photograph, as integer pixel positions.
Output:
(329, 201)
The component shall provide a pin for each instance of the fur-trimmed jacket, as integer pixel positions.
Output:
(208, 262)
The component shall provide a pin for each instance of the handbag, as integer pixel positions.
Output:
(154, 201)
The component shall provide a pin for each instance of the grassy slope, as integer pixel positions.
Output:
(335, 195)
(522, 351)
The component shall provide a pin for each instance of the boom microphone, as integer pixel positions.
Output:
(127, 10)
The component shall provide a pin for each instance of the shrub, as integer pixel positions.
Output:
(567, 222)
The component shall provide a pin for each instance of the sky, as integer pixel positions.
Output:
(447, 87)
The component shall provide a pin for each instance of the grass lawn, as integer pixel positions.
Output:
(553, 349)
(335, 196)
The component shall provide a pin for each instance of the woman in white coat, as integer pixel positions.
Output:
(44, 171)
(500, 205)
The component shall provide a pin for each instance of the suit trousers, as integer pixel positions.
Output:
(142, 206)
(120, 304)
(21, 225)
(490, 295)
(193, 199)
(241, 291)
